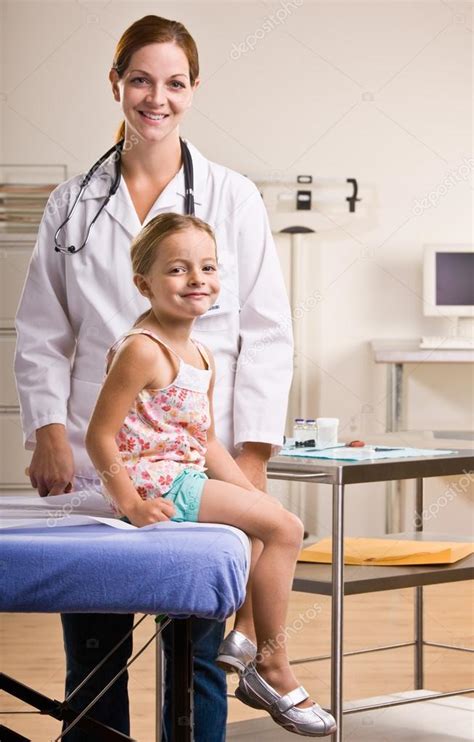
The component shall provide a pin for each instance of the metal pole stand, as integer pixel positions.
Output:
(337, 607)
(419, 638)
(182, 680)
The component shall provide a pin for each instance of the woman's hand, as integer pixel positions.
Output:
(51, 470)
(146, 512)
(252, 460)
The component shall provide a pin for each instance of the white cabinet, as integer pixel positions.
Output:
(15, 254)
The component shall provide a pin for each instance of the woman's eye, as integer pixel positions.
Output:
(178, 269)
(210, 268)
(176, 84)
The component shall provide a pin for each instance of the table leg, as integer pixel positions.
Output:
(419, 639)
(8, 735)
(393, 490)
(182, 681)
(337, 606)
(159, 680)
(394, 396)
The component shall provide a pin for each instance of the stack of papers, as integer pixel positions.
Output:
(385, 552)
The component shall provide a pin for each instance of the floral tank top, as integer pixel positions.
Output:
(165, 431)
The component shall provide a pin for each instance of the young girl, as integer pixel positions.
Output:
(151, 436)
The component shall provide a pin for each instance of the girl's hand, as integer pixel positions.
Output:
(146, 512)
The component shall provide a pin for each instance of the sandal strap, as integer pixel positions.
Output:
(291, 699)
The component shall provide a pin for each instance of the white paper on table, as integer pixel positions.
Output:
(82, 507)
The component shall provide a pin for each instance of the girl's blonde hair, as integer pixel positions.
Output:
(147, 242)
(152, 29)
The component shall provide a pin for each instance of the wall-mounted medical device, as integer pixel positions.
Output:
(317, 194)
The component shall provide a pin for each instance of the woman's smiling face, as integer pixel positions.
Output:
(155, 91)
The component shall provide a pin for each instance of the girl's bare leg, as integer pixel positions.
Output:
(244, 616)
(281, 533)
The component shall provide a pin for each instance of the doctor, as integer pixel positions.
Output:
(75, 305)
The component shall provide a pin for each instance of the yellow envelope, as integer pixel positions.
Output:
(386, 552)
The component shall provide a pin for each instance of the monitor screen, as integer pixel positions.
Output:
(455, 279)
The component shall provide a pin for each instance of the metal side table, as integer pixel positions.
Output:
(337, 581)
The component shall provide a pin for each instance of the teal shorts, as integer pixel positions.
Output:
(185, 494)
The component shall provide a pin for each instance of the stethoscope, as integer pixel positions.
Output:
(116, 150)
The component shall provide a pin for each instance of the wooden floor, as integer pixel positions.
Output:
(31, 651)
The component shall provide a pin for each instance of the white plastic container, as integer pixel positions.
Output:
(327, 431)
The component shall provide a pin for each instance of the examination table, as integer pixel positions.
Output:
(172, 570)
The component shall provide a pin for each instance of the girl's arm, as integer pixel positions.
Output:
(130, 371)
(219, 462)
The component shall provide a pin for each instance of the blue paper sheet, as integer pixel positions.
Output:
(362, 454)
(179, 569)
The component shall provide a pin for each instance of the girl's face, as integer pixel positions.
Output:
(155, 91)
(183, 281)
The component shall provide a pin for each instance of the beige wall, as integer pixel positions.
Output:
(380, 91)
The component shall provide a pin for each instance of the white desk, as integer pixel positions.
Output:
(395, 353)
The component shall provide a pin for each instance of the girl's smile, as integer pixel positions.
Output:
(195, 295)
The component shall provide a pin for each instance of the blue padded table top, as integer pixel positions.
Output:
(180, 569)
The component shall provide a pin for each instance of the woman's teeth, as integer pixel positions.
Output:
(152, 117)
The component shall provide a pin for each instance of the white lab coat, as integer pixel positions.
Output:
(73, 307)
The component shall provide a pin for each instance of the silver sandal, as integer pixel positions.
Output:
(236, 652)
(312, 721)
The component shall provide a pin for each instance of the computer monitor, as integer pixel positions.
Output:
(448, 283)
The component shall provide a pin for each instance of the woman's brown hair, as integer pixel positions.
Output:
(152, 29)
(145, 245)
